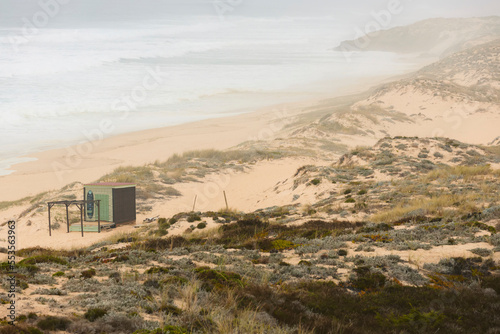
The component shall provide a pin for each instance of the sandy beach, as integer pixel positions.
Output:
(88, 161)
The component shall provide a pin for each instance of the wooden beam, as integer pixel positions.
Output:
(81, 217)
(50, 231)
(98, 215)
(67, 218)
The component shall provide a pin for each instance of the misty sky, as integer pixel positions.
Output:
(79, 12)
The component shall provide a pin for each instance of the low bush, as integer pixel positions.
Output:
(163, 330)
(193, 217)
(43, 259)
(215, 279)
(315, 182)
(484, 252)
(93, 314)
(52, 323)
(89, 273)
(367, 280)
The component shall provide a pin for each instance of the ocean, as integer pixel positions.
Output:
(59, 85)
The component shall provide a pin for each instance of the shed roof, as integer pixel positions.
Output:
(110, 184)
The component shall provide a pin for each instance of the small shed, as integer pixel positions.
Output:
(118, 203)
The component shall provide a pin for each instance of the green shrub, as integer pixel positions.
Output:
(161, 232)
(282, 244)
(119, 258)
(175, 280)
(52, 323)
(93, 314)
(484, 252)
(152, 283)
(157, 270)
(43, 259)
(347, 191)
(362, 192)
(58, 274)
(350, 200)
(164, 330)
(217, 279)
(415, 319)
(342, 252)
(305, 263)
(193, 217)
(170, 309)
(315, 182)
(366, 280)
(201, 225)
(88, 273)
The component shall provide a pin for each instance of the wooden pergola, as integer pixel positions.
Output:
(80, 205)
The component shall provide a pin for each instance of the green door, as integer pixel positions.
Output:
(104, 206)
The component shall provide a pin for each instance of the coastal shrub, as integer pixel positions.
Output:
(201, 225)
(152, 283)
(193, 217)
(50, 292)
(110, 324)
(422, 155)
(89, 273)
(438, 155)
(315, 182)
(164, 330)
(282, 244)
(43, 259)
(375, 228)
(52, 323)
(116, 276)
(175, 280)
(484, 252)
(217, 279)
(367, 280)
(157, 270)
(93, 314)
(58, 274)
(342, 252)
(161, 232)
(159, 244)
(16, 329)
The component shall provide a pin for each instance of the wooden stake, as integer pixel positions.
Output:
(225, 199)
(194, 204)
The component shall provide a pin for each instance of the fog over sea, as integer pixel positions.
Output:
(58, 84)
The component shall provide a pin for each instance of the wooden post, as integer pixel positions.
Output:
(81, 217)
(225, 199)
(50, 232)
(99, 216)
(194, 204)
(67, 218)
